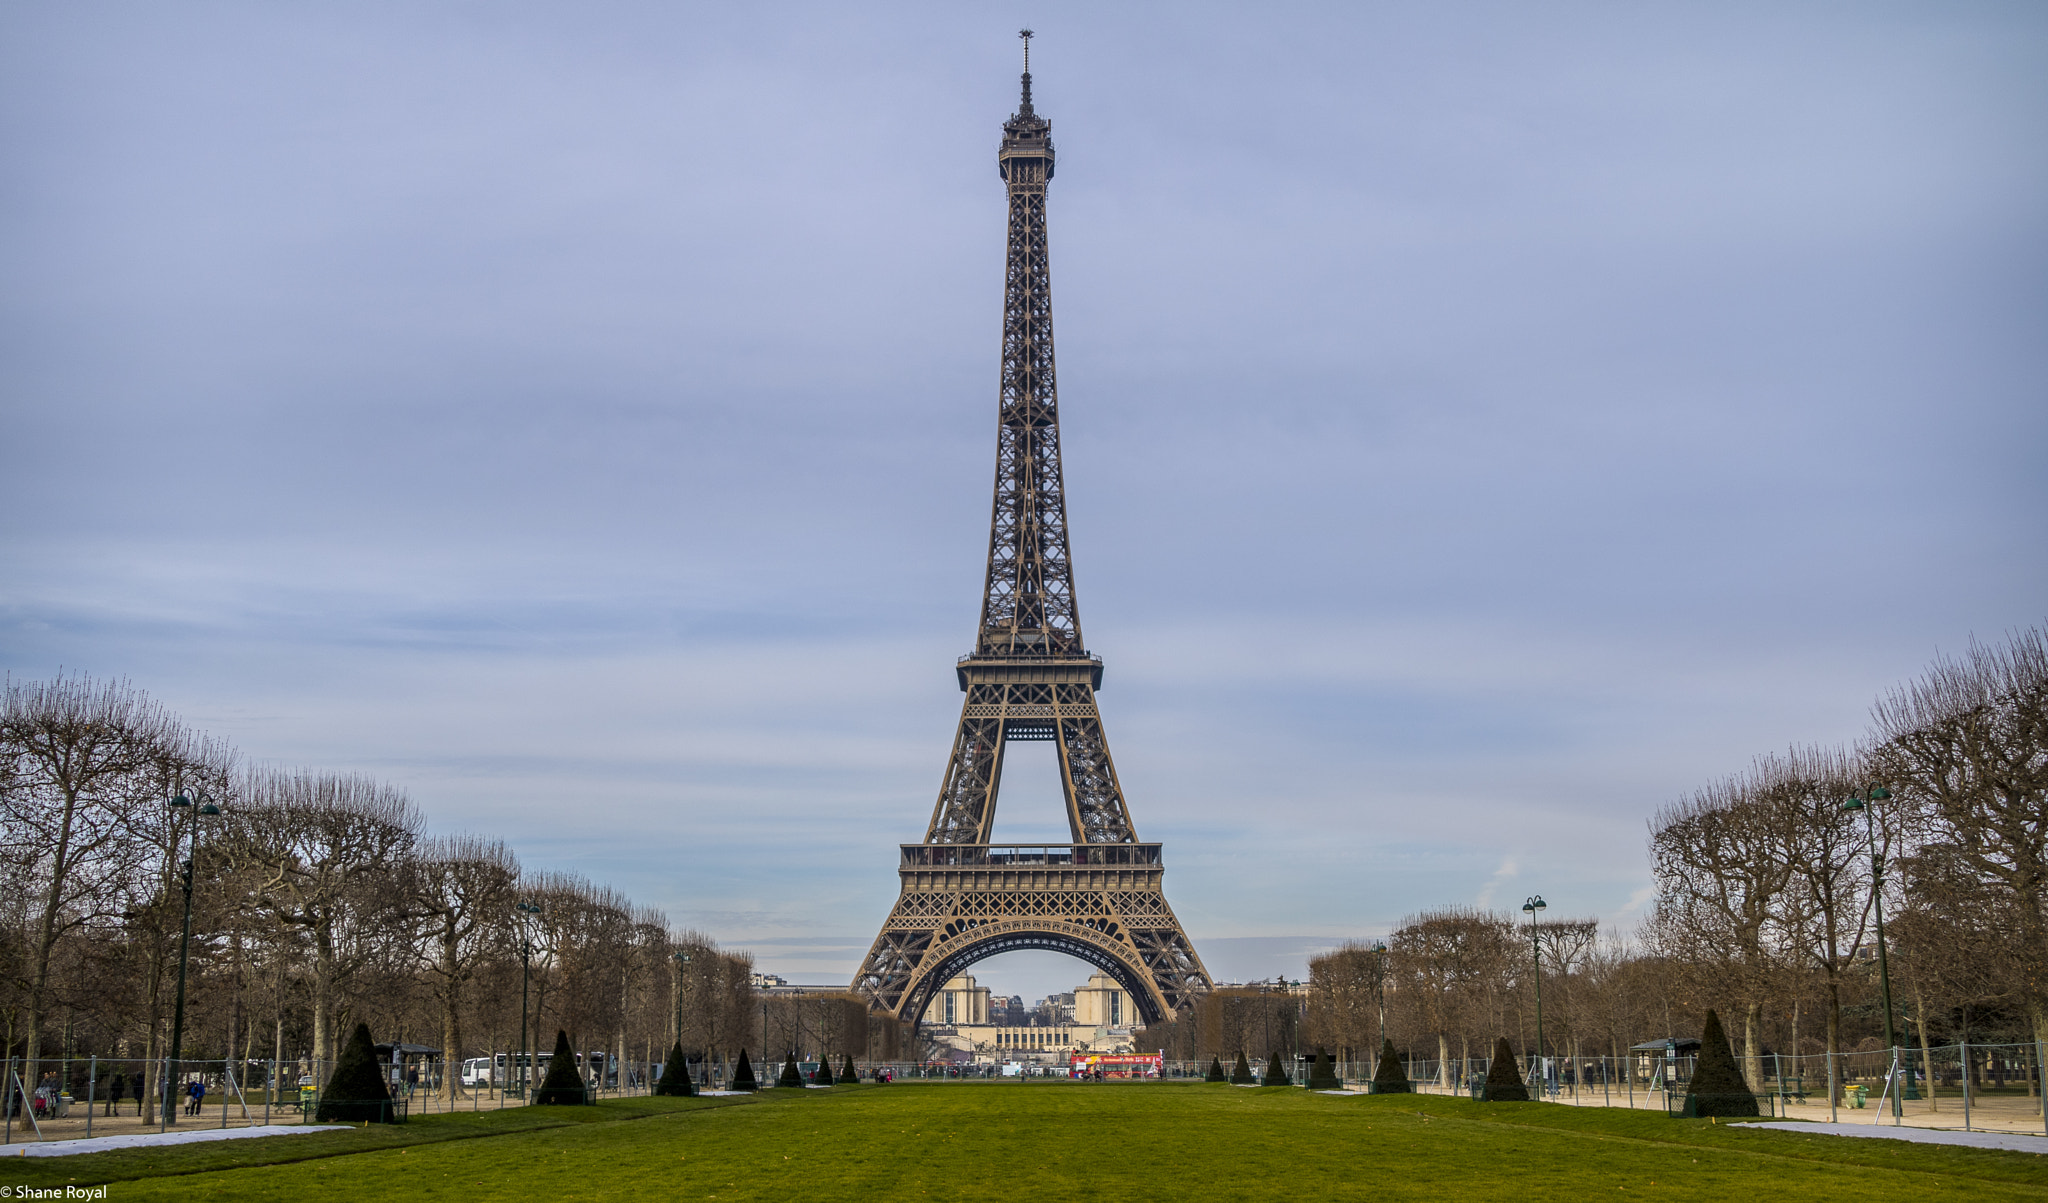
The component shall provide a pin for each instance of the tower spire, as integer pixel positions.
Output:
(1024, 108)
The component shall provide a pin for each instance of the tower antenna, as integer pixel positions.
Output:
(1026, 35)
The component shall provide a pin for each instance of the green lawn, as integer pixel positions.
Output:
(1052, 1140)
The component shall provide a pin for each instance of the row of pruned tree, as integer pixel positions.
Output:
(318, 900)
(1767, 903)
(1258, 1020)
(1769, 889)
(1447, 983)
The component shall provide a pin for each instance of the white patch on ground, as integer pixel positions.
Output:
(1929, 1136)
(102, 1144)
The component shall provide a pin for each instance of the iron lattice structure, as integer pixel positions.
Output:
(1030, 677)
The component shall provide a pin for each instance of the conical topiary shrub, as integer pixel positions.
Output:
(847, 1073)
(1391, 1077)
(356, 1093)
(1276, 1073)
(743, 1075)
(1504, 1077)
(791, 1075)
(1242, 1074)
(675, 1076)
(1216, 1073)
(563, 1087)
(824, 1075)
(1717, 1087)
(1322, 1073)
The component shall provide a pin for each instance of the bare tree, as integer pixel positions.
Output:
(1964, 750)
(1828, 902)
(84, 763)
(1344, 1000)
(1451, 966)
(1722, 860)
(324, 849)
(1565, 945)
(462, 887)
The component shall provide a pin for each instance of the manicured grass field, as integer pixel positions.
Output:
(1052, 1141)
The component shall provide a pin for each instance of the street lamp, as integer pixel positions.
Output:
(525, 909)
(1533, 907)
(1851, 804)
(177, 1069)
(1379, 949)
(682, 972)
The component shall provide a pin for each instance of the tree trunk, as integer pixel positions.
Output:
(1443, 1060)
(2040, 1018)
(323, 996)
(451, 1019)
(1926, 1052)
(154, 1047)
(1835, 1038)
(46, 940)
(1752, 1045)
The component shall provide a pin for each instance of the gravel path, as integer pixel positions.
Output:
(102, 1144)
(1928, 1136)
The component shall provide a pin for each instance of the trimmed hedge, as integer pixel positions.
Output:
(675, 1076)
(1391, 1077)
(1276, 1073)
(1242, 1075)
(1322, 1073)
(356, 1093)
(1717, 1086)
(791, 1075)
(743, 1074)
(1216, 1073)
(847, 1073)
(824, 1074)
(563, 1087)
(1504, 1077)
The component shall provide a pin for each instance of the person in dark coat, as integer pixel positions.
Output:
(117, 1089)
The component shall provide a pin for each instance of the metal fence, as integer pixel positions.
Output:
(76, 1097)
(1979, 1087)
(1989, 1087)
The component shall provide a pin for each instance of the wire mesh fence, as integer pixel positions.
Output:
(1988, 1087)
(1979, 1087)
(75, 1097)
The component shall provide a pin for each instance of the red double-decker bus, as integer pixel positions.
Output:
(1116, 1065)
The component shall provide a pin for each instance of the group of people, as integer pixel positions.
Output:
(114, 1090)
(117, 1088)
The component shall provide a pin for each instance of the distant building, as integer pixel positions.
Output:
(960, 1003)
(1102, 1004)
(1097, 1017)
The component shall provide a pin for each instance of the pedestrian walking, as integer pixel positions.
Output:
(117, 1089)
(196, 1092)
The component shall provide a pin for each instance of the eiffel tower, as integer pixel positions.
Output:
(1030, 677)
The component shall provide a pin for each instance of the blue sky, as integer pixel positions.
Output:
(1484, 423)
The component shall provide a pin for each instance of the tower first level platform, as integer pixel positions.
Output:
(1101, 903)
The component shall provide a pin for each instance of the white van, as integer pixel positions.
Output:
(501, 1069)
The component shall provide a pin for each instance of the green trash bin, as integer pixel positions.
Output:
(1858, 1095)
